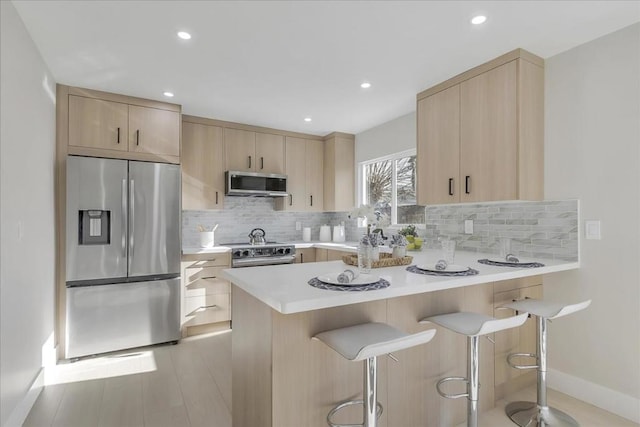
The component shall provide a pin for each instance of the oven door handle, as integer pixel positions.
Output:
(249, 262)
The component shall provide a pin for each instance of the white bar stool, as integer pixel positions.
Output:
(366, 342)
(473, 325)
(533, 414)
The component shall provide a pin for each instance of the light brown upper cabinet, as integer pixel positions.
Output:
(250, 151)
(152, 130)
(304, 159)
(202, 167)
(100, 127)
(96, 123)
(480, 134)
(339, 172)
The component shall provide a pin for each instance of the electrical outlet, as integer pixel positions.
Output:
(592, 230)
(468, 226)
(298, 226)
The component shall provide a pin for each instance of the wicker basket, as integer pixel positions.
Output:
(385, 260)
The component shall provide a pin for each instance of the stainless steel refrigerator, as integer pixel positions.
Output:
(123, 255)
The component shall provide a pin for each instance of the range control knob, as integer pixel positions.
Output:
(245, 253)
(237, 254)
(280, 251)
(287, 251)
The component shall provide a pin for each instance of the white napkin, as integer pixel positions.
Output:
(347, 276)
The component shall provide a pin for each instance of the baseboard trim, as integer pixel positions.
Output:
(610, 400)
(22, 409)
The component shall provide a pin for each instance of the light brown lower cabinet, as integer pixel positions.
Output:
(206, 302)
(305, 255)
(281, 377)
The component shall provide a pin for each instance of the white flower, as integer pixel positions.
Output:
(364, 211)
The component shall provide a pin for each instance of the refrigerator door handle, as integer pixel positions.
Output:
(132, 221)
(124, 218)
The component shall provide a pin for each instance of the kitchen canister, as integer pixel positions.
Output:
(206, 239)
(325, 233)
(338, 233)
(306, 234)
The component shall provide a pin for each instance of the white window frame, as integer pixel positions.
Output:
(362, 191)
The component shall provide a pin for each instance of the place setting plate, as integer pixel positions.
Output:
(361, 279)
(451, 268)
(501, 262)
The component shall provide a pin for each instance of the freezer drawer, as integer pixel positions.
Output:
(119, 316)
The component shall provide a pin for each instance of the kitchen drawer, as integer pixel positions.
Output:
(213, 260)
(210, 286)
(195, 274)
(206, 309)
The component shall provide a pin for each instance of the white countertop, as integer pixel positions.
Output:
(285, 289)
(343, 246)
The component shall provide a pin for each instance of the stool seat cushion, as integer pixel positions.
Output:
(367, 340)
(474, 324)
(547, 309)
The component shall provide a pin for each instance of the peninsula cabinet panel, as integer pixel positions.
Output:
(488, 136)
(305, 255)
(95, 123)
(480, 134)
(269, 153)
(239, 148)
(152, 130)
(202, 167)
(438, 159)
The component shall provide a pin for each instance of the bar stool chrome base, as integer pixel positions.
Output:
(529, 414)
(346, 404)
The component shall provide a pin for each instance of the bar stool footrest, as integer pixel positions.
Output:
(522, 367)
(350, 403)
(451, 396)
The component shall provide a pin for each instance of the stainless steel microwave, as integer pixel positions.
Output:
(239, 183)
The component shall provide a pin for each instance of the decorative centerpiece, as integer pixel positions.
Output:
(399, 245)
(411, 234)
(370, 242)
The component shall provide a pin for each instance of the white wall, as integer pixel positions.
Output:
(592, 152)
(388, 138)
(27, 256)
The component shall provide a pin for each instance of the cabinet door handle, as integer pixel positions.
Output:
(451, 186)
(138, 137)
(205, 307)
(467, 184)
(249, 162)
(118, 140)
(301, 258)
(216, 197)
(311, 199)
(290, 199)
(261, 162)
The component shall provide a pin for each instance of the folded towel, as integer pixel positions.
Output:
(512, 258)
(347, 276)
(441, 265)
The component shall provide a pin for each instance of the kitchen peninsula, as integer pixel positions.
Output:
(283, 378)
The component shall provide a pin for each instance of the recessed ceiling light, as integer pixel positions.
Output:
(307, 119)
(477, 20)
(365, 85)
(184, 35)
(168, 94)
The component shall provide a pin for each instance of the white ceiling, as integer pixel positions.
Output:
(273, 63)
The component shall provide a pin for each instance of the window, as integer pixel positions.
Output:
(389, 185)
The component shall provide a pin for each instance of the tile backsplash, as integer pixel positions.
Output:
(242, 214)
(547, 229)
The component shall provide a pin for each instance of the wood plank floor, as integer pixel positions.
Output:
(189, 384)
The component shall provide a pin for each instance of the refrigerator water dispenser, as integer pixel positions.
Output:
(94, 227)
